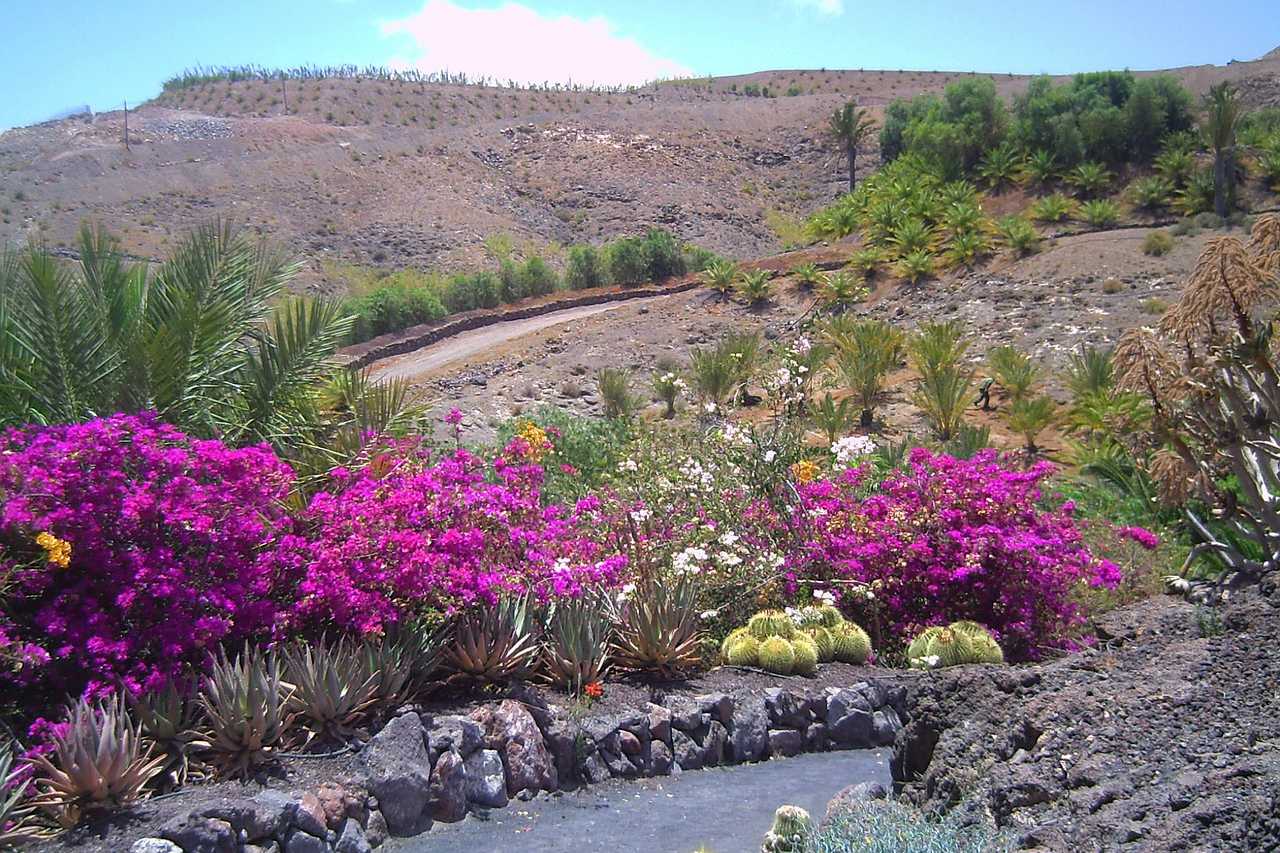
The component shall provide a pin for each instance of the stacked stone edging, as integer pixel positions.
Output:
(419, 768)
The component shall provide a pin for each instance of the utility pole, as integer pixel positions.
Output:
(126, 125)
(284, 91)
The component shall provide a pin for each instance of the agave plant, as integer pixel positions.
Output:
(1175, 165)
(332, 687)
(1015, 370)
(1151, 193)
(495, 643)
(1089, 179)
(807, 275)
(657, 627)
(755, 287)
(99, 762)
(403, 661)
(614, 384)
(1052, 208)
(866, 351)
(915, 267)
(170, 718)
(834, 419)
(839, 290)
(576, 646)
(1029, 417)
(1000, 166)
(1039, 168)
(720, 275)
(245, 701)
(943, 395)
(1019, 235)
(1101, 212)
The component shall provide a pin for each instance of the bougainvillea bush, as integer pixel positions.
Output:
(131, 549)
(949, 539)
(415, 529)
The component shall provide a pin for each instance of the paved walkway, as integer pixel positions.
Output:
(721, 810)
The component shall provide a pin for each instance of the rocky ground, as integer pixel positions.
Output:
(392, 174)
(1163, 737)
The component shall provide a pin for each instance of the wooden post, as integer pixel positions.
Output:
(284, 90)
(126, 125)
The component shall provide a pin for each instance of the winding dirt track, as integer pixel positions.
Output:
(414, 364)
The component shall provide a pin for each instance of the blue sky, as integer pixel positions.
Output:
(64, 53)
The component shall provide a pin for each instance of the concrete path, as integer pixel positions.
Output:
(720, 810)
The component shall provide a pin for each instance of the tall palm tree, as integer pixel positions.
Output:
(850, 127)
(210, 340)
(1222, 115)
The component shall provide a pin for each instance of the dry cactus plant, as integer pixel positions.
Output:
(1210, 372)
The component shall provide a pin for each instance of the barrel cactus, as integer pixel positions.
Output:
(745, 651)
(771, 623)
(791, 827)
(829, 616)
(777, 655)
(958, 643)
(734, 635)
(825, 641)
(806, 655)
(852, 645)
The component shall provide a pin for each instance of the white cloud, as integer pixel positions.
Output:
(822, 7)
(514, 42)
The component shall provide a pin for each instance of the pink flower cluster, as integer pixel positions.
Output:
(413, 531)
(953, 539)
(166, 535)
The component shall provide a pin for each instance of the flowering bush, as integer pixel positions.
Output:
(951, 539)
(412, 531)
(130, 549)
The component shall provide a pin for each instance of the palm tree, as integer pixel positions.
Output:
(1222, 116)
(850, 127)
(210, 340)
(866, 350)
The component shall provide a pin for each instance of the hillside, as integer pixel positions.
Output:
(394, 173)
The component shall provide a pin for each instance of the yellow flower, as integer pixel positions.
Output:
(805, 470)
(536, 438)
(58, 551)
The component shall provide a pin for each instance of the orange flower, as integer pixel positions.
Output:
(57, 551)
(593, 690)
(804, 471)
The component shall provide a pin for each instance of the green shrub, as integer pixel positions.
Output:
(1157, 243)
(584, 268)
(536, 277)
(401, 301)
(466, 292)
(1197, 195)
(952, 132)
(628, 261)
(662, 255)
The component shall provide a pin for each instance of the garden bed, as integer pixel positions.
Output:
(441, 761)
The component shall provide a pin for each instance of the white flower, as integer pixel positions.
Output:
(728, 539)
(561, 566)
(852, 447)
(728, 559)
(931, 661)
(628, 465)
(769, 456)
(801, 346)
(824, 596)
(640, 516)
(709, 407)
(708, 614)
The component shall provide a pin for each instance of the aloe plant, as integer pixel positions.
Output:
(495, 643)
(657, 628)
(245, 701)
(171, 719)
(332, 687)
(14, 808)
(99, 762)
(576, 646)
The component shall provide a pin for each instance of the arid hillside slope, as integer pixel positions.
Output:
(394, 173)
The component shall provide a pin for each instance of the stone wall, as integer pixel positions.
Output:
(421, 768)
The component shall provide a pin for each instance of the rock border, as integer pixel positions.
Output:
(421, 768)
